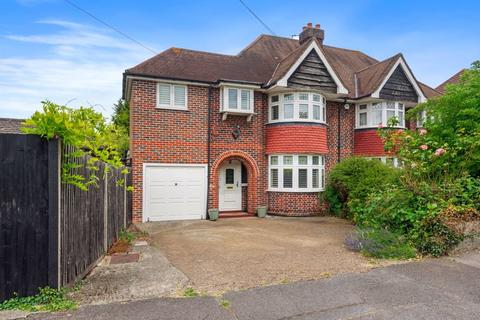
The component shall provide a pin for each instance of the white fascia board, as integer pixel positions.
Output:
(284, 80)
(238, 85)
(411, 78)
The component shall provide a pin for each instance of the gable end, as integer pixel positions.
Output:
(312, 74)
(398, 87)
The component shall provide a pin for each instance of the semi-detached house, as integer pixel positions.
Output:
(260, 128)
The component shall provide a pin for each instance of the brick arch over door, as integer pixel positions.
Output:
(252, 173)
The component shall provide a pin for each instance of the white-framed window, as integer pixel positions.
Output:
(237, 100)
(391, 161)
(375, 114)
(421, 118)
(172, 96)
(296, 173)
(297, 106)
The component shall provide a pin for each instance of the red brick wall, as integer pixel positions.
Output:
(294, 204)
(347, 125)
(296, 138)
(368, 143)
(166, 136)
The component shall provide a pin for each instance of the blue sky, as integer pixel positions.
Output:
(50, 50)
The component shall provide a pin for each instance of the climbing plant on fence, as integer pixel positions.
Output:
(88, 132)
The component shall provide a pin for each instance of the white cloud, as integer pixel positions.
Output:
(82, 64)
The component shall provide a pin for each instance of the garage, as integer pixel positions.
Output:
(174, 191)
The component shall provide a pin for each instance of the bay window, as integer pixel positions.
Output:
(297, 106)
(375, 114)
(296, 173)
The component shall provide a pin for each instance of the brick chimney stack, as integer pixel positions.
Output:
(309, 32)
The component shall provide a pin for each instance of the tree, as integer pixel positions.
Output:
(121, 115)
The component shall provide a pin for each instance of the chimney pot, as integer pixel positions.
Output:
(309, 25)
(304, 28)
(317, 26)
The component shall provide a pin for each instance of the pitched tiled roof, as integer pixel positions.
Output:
(452, 80)
(428, 91)
(8, 125)
(370, 78)
(265, 61)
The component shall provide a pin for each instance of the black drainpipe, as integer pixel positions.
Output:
(209, 130)
(338, 137)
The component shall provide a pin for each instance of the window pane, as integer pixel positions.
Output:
(390, 105)
(164, 94)
(302, 160)
(274, 113)
(274, 98)
(287, 160)
(232, 98)
(390, 114)
(363, 107)
(245, 100)
(303, 96)
(314, 178)
(363, 119)
(274, 178)
(316, 97)
(274, 160)
(315, 160)
(303, 111)
(288, 97)
(322, 178)
(324, 113)
(302, 178)
(316, 112)
(377, 113)
(179, 96)
(400, 106)
(229, 176)
(401, 118)
(288, 111)
(287, 178)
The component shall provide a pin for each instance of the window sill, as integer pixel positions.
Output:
(247, 113)
(297, 120)
(165, 107)
(377, 127)
(295, 190)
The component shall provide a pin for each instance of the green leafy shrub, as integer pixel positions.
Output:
(352, 180)
(47, 299)
(88, 132)
(380, 243)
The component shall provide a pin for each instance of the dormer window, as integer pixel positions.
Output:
(378, 114)
(297, 106)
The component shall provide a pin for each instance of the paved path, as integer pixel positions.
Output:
(431, 289)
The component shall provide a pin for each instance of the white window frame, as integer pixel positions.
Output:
(295, 166)
(397, 163)
(238, 110)
(421, 118)
(296, 102)
(383, 107)
(171, 105)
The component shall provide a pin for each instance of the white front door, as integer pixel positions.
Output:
(230, 186)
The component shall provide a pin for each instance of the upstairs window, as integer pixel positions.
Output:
(171, 96)
(375, 114)
(237, 100)
(297, 106)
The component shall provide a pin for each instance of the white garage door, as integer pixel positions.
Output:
(174, 192)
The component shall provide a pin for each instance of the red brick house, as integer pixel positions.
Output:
(260, 128)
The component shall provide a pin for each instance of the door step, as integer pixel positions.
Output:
(235, 214)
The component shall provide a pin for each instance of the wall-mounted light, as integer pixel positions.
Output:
(346, 106)
(236, 132)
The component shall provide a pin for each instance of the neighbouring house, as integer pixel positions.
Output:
(452, 80)
(260, 128)
(8, 125)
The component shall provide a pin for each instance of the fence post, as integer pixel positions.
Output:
(54, 216)
(125, 200)
(105, 210)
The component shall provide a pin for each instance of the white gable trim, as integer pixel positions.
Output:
(284, 80)
(411, 78)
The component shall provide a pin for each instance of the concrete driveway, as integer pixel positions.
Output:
(232, 254)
